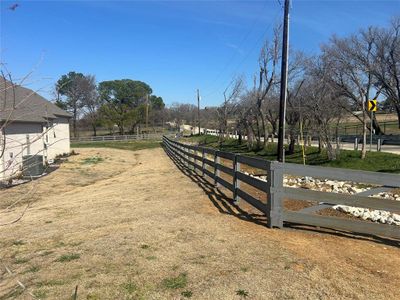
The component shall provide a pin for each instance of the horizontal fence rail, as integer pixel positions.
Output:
(146, 136)
(220, 165)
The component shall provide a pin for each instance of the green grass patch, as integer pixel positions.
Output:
(129, 287)
(40, 294)
(52, 282)
(45, 253)
(19, 261)
(242, 293)
(18, 242)
(13, 293)
(92, 160)
(174, 283)
(348, 159)
(33, 269)
(128, 145)
(60, 244)
(187, 294)
(144, 246)
(68, 257)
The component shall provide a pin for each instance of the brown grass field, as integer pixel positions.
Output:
(130, 225)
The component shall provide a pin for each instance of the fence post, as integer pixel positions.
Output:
(182, 155)
(202, 162)
(356, 144)
(379, 145)
(192, 151)
(195, 161)
(236, 182)
(216, 170)
(275, 194)
(187, 157)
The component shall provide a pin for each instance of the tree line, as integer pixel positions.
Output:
(322, 89)
(123, 103)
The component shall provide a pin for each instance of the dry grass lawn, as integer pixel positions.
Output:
(130, 225)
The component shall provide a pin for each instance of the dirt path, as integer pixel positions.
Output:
(131, 225)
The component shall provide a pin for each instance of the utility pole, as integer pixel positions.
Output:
(284, 75)
(198, 109)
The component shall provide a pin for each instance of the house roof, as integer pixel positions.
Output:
(20, 104)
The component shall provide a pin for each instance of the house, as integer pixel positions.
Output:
(185, 128)
(29, 126)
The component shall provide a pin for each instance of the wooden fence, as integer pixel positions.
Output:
(208, 162)
(144, 136)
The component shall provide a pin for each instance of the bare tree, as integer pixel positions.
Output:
(295, 110)
(272, 111)
(294, 114)
(228, 107)
(268, 61)
(386, 69)
(321, 106)
(182, 113)
(245, 117)
(349, 61)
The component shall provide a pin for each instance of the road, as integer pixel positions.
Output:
(395, 149)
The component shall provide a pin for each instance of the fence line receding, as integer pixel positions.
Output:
(105, 138)
(208, 162)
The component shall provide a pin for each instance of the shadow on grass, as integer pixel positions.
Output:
(226, 205)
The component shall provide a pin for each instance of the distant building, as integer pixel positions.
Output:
(30, 125)
(191, 130)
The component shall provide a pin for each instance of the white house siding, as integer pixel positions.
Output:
(21, 139)
(30, 139)
(58, 138)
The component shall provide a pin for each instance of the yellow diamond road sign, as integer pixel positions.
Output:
(372, 105)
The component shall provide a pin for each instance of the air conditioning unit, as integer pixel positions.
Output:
(32, 165)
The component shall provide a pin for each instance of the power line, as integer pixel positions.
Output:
(255, 45)
(256, 22)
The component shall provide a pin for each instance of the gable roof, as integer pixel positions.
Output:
(19, 104)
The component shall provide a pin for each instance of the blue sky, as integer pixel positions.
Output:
(175, 46)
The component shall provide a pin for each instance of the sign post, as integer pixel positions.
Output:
(371, 108)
